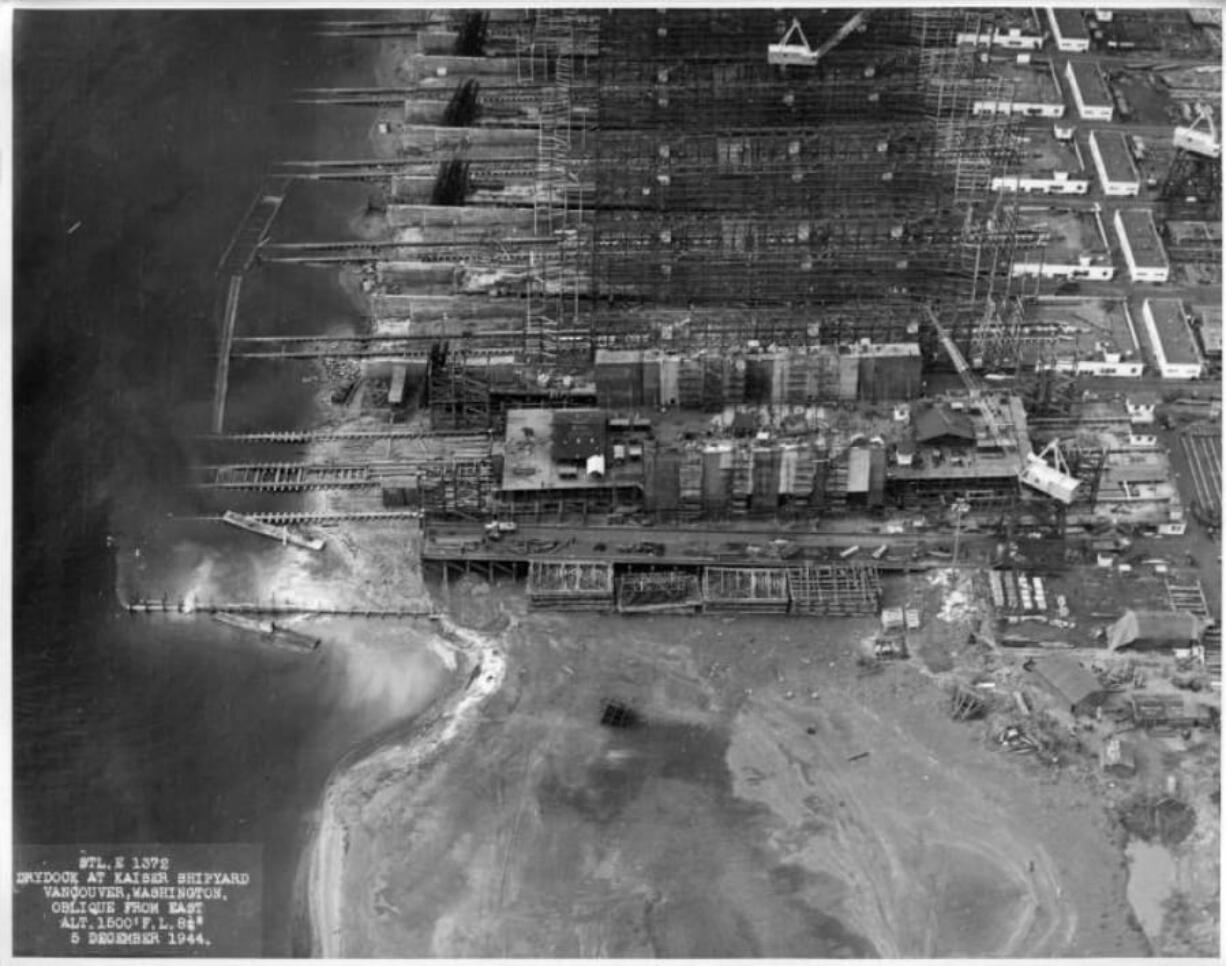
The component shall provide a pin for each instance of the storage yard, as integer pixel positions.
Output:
(762, 342)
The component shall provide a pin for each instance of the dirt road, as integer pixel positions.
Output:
(731, 821)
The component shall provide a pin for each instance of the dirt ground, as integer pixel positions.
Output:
(739, 818)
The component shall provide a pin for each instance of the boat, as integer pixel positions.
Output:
(272, 632)
(281, 534)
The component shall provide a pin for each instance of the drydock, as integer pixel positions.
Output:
(801, 313)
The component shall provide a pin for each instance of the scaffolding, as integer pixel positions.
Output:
(758, 590)
(457, 392)
(570, 585)
(721, 179)
(668, 590)
(674, 168)
(837, 590)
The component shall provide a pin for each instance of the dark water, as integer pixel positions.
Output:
(151, 129)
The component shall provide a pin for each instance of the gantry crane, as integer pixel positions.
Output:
(1196, 170)
(793, 52)
(1032, 469)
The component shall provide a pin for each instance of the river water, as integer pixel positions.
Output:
(140, 140)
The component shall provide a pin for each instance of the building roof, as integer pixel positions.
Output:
(1077, 328)
(1091, 83)
(1066, 235)
(578, 434)
(1155, 627)
(935, 422)
(1070, 23)
(1032, 83)
(1117, 159)
(1210, 327)
(1178, 343)
(1138, 225)
(858, 469)
(1193, 234)
(1041, 152)
(530, 451)
(1072, 682)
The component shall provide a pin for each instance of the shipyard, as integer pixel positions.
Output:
(797, 434)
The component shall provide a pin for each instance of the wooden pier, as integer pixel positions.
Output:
(235, 261)
(291, 477)
(221, 387)
(167, 606)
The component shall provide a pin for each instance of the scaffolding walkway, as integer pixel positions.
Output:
(253, 230)
(287, 477)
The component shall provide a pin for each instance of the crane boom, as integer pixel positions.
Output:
(1032, 469)
(843, 33)
(968, 379)
(797, 52)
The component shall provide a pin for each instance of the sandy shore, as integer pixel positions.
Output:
(454, 719)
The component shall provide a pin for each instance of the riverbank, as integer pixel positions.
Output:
(742, 817)
(366, 776)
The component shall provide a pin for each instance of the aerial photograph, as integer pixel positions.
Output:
(599, 482)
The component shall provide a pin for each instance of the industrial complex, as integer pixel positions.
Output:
(761, 312)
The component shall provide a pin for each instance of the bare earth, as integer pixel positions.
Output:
(730, 823)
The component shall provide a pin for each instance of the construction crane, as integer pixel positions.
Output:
(1032, 470)
(1196, 170)
(793, 49)
(969, 381)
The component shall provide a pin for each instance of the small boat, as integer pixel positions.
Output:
(271, 631)
(281, 534)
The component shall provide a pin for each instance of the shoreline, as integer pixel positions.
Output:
(419, 743)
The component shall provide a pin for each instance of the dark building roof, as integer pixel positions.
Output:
(1071, 24)
(1090, 82)
(937, 422)
(1117, 159)
(1072, 683)
(1138, 225)
(578, 434)
(1178, 344)
(1156, 628)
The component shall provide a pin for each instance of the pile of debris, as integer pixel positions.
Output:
(1164, 819)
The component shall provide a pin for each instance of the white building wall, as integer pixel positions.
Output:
(1007, 40)
(1135, 272)
(1093, 273)
(1086, 113)
(1053, 184)
(1025, 108)
(1068, 45)
(1168, 370)
(1121, 189)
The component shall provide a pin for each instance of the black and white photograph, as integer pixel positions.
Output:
(635, 482)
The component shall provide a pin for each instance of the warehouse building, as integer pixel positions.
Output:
(1035, 92)
(1143, 251)
(1046, 165)
(1113, 161)
(1077, 689)
(1065, 244)
(1082, 336)
(1171, 339)
(1009, 29)
(1090, 91)
(1068, 30)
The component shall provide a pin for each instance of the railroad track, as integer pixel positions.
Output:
(1204, 454)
